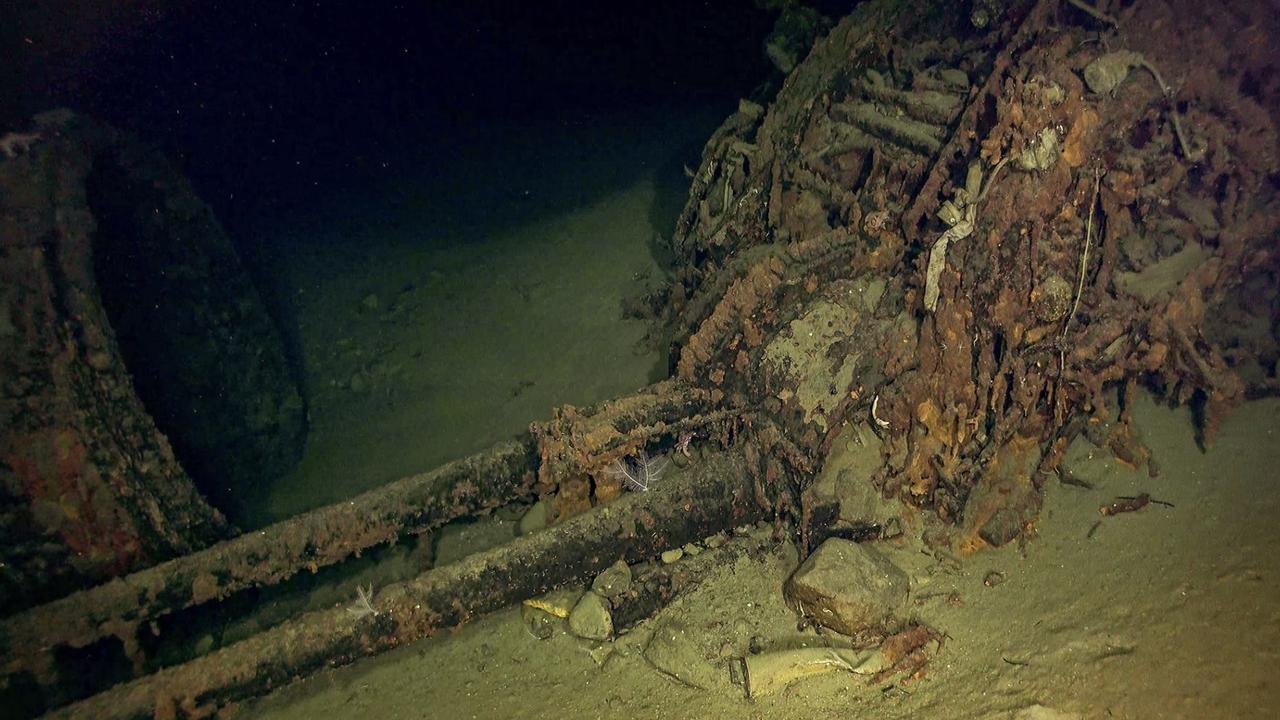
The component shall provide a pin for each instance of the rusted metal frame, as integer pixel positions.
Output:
(586, 441)
(714, 496)
(961, 144)
(664, 408)
(322, 537)
(797, 259)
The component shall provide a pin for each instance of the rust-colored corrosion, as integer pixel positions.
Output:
(91, 487)
(577, 445)
(1094, 241)
(315, 539)
(714, 496)
(1059, 286)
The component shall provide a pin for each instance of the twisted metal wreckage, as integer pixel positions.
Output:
(974, 229)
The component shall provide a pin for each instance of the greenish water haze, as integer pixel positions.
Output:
(437, 314)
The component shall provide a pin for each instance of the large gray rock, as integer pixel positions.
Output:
(675, 651)
(847, 587)
(591, 618)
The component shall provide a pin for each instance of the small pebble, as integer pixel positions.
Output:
(614, 581)
(540, 623)
(993, 578)
(535, 519)
(600, 653)
(671, 556)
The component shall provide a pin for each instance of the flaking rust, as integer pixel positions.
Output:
(977, 369)
(1009, 233)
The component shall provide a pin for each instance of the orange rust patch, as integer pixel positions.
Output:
(1075, 149)
(971, 543)
(1005, 481)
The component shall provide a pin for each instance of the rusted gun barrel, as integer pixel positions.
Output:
(322, 537)
(717, 495)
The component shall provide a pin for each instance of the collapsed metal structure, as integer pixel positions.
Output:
(947, 224)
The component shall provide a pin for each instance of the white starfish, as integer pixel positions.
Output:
(363, 606)
(640, 472)
(14, 143)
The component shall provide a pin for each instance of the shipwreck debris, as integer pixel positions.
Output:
(126, 607)
(809, 297)
(639, 525)
(1131, 503)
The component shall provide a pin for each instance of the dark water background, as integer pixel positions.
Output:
(495, 174)
(274, 106)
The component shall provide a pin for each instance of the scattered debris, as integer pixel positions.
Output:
(960, 212)
(1041, 153)
(1084, 265)
(534, 519)
(1131, 503)
(1095, 13)
(682, 444)
(1105, 74)
(1066, 477)
(545, 614)
(875, 403)
(771, 672)
(1041, 712)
